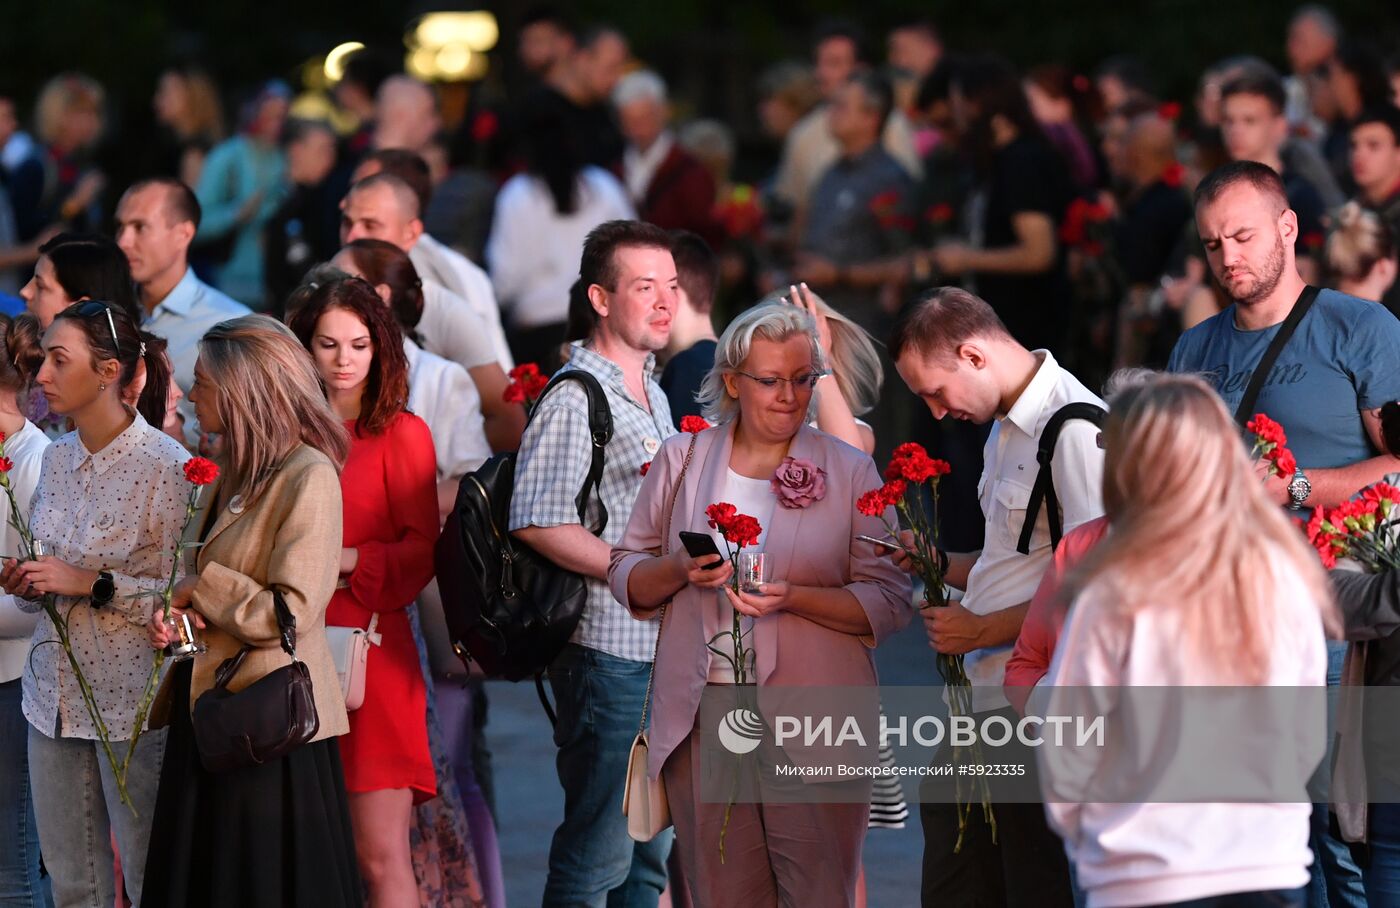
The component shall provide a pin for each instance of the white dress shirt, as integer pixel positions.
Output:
(453, 270)
(118, 510)
(442, 394)
(1003, 577)
(25, 449)
(452, 330)
(533, 251)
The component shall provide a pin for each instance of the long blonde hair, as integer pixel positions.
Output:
(1193, 529)
(269, 400)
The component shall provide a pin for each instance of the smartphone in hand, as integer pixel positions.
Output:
(700, 545)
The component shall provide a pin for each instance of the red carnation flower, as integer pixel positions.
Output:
(6, 465)
(893, 491)
(1284, 463)
(1267, 429)
(200, 470)
(526, 384)
(941, 213)
(720, 514)
(1169, 110)
(1174, 175)
(694, 424)
(872, 503)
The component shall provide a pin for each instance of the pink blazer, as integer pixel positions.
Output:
(791, 650)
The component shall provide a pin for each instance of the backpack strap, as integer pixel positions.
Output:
(1044, 489)
(600, 426)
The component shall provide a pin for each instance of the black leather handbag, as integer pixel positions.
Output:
(266, 720)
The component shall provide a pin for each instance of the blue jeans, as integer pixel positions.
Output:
(1383, 874)
(21, 885)
(1336, 880)
(592, 860)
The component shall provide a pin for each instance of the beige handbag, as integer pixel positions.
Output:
(350, 651)
(644, 798)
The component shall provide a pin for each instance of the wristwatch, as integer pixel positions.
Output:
(103, 589)
(1299, 488)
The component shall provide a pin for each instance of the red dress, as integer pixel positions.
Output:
(389, 486)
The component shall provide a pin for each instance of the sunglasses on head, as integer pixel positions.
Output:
(90, 308)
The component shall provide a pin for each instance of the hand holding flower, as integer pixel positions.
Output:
(13, 583)
(952, 629)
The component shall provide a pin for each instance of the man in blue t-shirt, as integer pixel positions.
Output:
(1326, 388)
(1335, 373)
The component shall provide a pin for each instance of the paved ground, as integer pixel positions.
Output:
(528, 794)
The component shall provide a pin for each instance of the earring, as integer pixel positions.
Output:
(101, 386)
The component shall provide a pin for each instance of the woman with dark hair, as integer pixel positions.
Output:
(541, 219)
(1355, 81)
(276, 834)
(391, 528)
(443, 394)
(20, 358)
(73, 267)
(1022, 193)
(76, 267)
(110, 499)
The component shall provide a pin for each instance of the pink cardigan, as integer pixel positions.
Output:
(790, 650)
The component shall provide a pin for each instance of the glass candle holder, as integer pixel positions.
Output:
(187, 644)
(753, 572)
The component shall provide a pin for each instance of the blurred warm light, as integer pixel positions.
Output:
(451, 46)
(476, 30)
(335, 60)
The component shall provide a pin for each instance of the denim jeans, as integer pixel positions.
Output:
(21, 885)
(1335, 879)
(592, 860)
(1383, 874)
(79, 811)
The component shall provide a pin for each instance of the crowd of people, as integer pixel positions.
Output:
(331, 303)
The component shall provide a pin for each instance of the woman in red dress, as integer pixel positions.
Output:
(389, 486)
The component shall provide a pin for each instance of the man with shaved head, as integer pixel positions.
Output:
(384, 207)
(156, 221)
(435, 261)
(406, 114)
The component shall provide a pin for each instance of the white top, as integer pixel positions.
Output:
(1003, 577)
(753, 497)
(444, 396)
(452, 330)
(533, 251)
(182, 318)
(25, 449)
(640, 167)
(118, 510)
(1156, 853)
(453, 270)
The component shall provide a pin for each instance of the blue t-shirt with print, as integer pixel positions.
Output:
(1344, 358)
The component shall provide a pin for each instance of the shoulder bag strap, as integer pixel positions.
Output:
(1266, 362)
(1044, 489)
(665, 544)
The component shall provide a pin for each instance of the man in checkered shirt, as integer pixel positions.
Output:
(600, 678)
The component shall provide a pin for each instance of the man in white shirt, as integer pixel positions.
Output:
(384, 207)
(156, 221)
(435, 261)
(954, 352)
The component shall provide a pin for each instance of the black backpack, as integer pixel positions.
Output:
(508, 608)
(1044, 489)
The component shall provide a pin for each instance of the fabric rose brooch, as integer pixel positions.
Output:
(797, 483)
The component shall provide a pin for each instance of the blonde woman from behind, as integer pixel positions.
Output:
(1201, 581)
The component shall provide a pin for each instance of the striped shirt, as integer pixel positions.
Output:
(552, 466)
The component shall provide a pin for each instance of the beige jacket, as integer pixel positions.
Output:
(291, 537)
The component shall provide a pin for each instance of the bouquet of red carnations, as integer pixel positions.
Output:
(1362, 529)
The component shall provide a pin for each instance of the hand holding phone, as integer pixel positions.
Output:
(879, 543)
(699, 545)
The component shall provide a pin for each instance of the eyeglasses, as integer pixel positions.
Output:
(92, 307)
(802, 382)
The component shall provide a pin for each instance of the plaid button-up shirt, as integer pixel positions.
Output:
(555, 454)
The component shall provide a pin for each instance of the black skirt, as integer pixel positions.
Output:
(272, 835)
